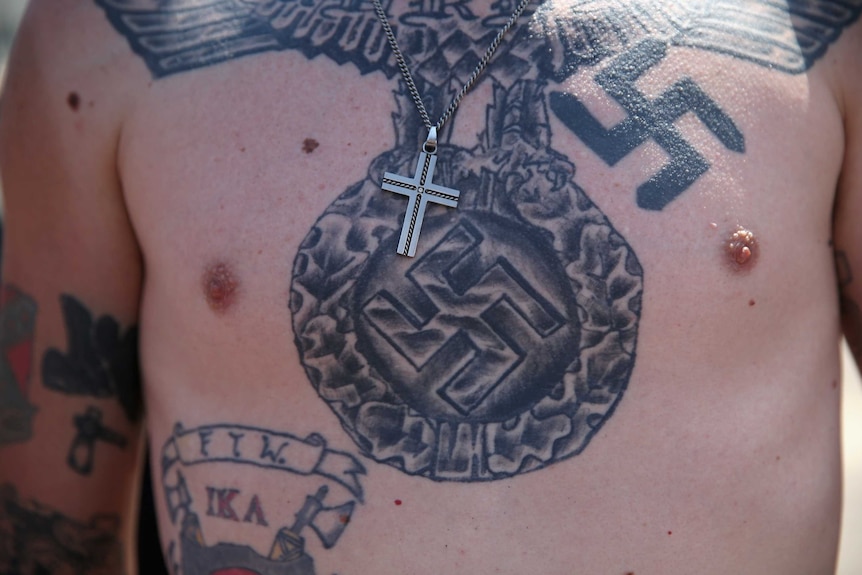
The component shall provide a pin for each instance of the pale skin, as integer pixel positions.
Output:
(202, 205)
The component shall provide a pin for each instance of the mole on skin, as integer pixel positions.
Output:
(220, 286)
(741, 248)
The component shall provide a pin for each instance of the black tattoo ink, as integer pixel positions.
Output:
(510, 340)
(788, 36)
(649, 120)
(204, 436)
(287, 554)
(255, 513)
(309, 456)
(100, 361)
(36, 540)
(90, 431)
(236, 437)
(175, 36)
(506, 344)
(17, 327)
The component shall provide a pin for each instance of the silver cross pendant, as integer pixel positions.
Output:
(420, 190)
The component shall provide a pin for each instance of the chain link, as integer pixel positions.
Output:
(408, 77)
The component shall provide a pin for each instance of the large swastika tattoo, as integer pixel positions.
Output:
(649, 120)
(510, 339)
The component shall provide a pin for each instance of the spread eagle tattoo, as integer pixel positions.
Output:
(510, 340)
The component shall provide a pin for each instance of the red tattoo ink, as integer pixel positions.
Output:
(219, 286)
(74, 101)
(309, 145)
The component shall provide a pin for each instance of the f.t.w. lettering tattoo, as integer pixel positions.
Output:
(510, 339)
(326, 511)
(17, 330)
(37, 540)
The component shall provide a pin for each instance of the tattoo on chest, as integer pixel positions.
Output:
(325, 511)
(510, 339)
(649, 120)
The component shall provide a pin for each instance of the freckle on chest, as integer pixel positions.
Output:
(219, 284)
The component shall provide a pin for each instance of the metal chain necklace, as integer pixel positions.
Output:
(420, 189)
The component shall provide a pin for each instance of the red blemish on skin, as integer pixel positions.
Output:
(777, 458)
(309, 145)
(741, 248)
(670, 532)
(834, 384)
(751, 302)
(397, 502)
(219, 285)
(74, 101)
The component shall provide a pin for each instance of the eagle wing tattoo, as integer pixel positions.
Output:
(174, 36)
(787, 35)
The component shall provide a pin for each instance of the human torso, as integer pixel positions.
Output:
(574, 374)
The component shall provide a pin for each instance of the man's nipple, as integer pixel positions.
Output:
(219, 284)
(741, 249)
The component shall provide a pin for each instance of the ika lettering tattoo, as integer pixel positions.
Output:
(37, 540)
(509, 341)
(270, 451)
(100, 362)
(17, 327)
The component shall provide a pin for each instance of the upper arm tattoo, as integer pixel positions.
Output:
(35, 539)
(101, 361)
(17, 330)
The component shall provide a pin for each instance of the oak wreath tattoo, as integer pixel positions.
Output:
(509, 341)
